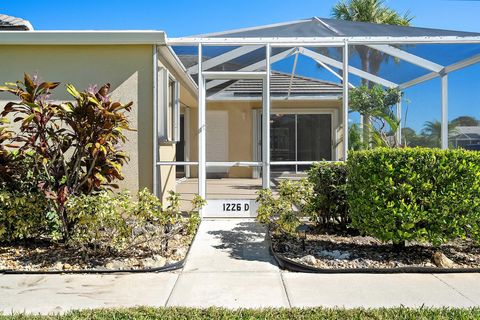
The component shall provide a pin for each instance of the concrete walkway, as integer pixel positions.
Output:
(229, 266)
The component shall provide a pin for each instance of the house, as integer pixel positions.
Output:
(131, 61)
(9, 23)
(465, 137)
(199, 100)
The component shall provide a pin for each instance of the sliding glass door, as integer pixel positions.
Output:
(300, 137)
(314, 138)
(283, 142)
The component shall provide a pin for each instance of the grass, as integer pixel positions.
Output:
(218, 313)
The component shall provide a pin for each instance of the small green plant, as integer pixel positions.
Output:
(102, 221)
(415, 194)
(22, 216)
(193, 216)
(328, 204)
(109, 221)
(283, 213)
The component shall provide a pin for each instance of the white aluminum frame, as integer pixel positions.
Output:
(203, 76)
(202, 156)
(266, 120)
(318, 41)
(294, 69)
(298, 45)
(227, 56)
(444, 127)
(408, 57)
(339, 65)
(255, 66)
(346, 92)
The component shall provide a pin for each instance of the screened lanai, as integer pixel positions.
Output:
(308, 114)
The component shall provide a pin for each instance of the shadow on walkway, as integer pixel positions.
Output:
(246, 241)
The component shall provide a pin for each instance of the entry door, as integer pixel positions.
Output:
(217, 141)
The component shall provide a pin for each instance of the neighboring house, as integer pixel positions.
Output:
(465, 137)
(9, 23)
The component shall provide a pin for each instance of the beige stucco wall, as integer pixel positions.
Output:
(128, 68)
(240, 127)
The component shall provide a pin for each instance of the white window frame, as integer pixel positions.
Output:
(169, 115)
(333, 112)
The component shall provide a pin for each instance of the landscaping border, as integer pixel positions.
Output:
(290, 265)
(171, 267)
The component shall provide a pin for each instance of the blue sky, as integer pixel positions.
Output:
(182, 17)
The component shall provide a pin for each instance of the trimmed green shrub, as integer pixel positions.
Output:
(329, 201)
(416, 194)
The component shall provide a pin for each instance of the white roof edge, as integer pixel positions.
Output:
(82, 37)
(217, 98)
(322, 41)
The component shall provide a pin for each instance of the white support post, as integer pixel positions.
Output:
(257, 65)
(444, 135)
(408, 57)
(337, 64)
(230, 55)
(292, 75)
(333, 72)
(202, 182)
(451, 68)
(345, 100)
(266, 122)
(399, 118)
(155, 122)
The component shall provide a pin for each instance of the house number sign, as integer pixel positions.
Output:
(230, 208)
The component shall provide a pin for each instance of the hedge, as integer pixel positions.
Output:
(329, 202)
(416, 194)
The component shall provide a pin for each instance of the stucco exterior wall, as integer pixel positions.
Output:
(128, 68)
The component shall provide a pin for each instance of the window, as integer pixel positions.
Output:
(169, 115)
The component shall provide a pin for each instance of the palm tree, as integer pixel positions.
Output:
(432, 130)
(373, 11)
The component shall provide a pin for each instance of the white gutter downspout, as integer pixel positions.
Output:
(155, 122)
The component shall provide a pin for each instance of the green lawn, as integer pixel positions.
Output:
(216, 313)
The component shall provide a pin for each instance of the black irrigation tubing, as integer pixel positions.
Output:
(290, 265)
(171, 267)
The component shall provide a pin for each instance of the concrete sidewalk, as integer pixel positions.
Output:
(229, 266)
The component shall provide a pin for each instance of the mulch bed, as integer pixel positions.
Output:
(335, 250)
(47, 256)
